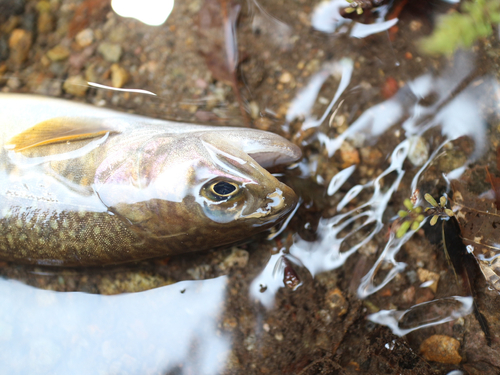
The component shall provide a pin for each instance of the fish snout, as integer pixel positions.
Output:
(281, 201)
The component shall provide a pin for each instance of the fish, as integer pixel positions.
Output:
(82, 185)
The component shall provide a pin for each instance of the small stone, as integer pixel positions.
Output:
(349, 155)
(419, 151)
(58, 53)
(285, 77)
(254, 109)
(118, 34)
(111, 52)
(85, 37)
(336, 301)
(408, 295)
(43, 6)
(429, 278)
(230, 323)
(76, 85)
(263, 123)
(442, 349)
(13, 83)
(237, 259)
(371, 156)
(119, 76)
(91, 74)
(45, 21)
(19, 44)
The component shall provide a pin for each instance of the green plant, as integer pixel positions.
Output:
(456, 30)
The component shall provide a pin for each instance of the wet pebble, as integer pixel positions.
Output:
(419, 151)
(19, 44)
(110, 51)
(58, 53)
(119, 76)
(286, 77)
(349, 155)
(230, 323)
(45, 23)
(76, 85)
(263, 123)
(389, 88)
(254, 109)
(78, 60)
(408, 294)
(442, 349)
(336, 301)
(13, 83)
(85, 37)
(428, 278)
(237, 259)
(371, 156)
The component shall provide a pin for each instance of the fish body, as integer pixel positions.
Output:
(84, 186)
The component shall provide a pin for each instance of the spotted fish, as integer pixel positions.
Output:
(84, 186)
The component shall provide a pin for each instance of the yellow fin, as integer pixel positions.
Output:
(60, 129)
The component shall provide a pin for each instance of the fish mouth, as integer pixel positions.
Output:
(277, 205)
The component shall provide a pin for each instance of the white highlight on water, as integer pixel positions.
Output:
(150, 12)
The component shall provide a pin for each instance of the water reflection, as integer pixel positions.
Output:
(150, 12)
(150, 332)
(423, 315)
(326, 18)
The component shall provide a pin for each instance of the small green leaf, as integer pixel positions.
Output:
(442, 201)
(449, 212)
(408, 204)
(434, 220)
(403, 229)
(359, 10)
(415, 225)
(349, 10)
(402, 213)
(418, 209)
(420, 218)
(430, 199)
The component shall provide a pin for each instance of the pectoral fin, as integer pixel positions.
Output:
(60, 129)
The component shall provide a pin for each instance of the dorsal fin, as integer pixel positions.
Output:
(60, 129)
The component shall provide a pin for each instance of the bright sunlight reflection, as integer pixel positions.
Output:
(151, 12)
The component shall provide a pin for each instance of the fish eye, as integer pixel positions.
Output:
(224, 189)
(221, 190)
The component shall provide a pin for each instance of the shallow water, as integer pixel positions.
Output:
(376, 120)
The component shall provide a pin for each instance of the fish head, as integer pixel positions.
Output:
(201, 190)
(233, 188)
